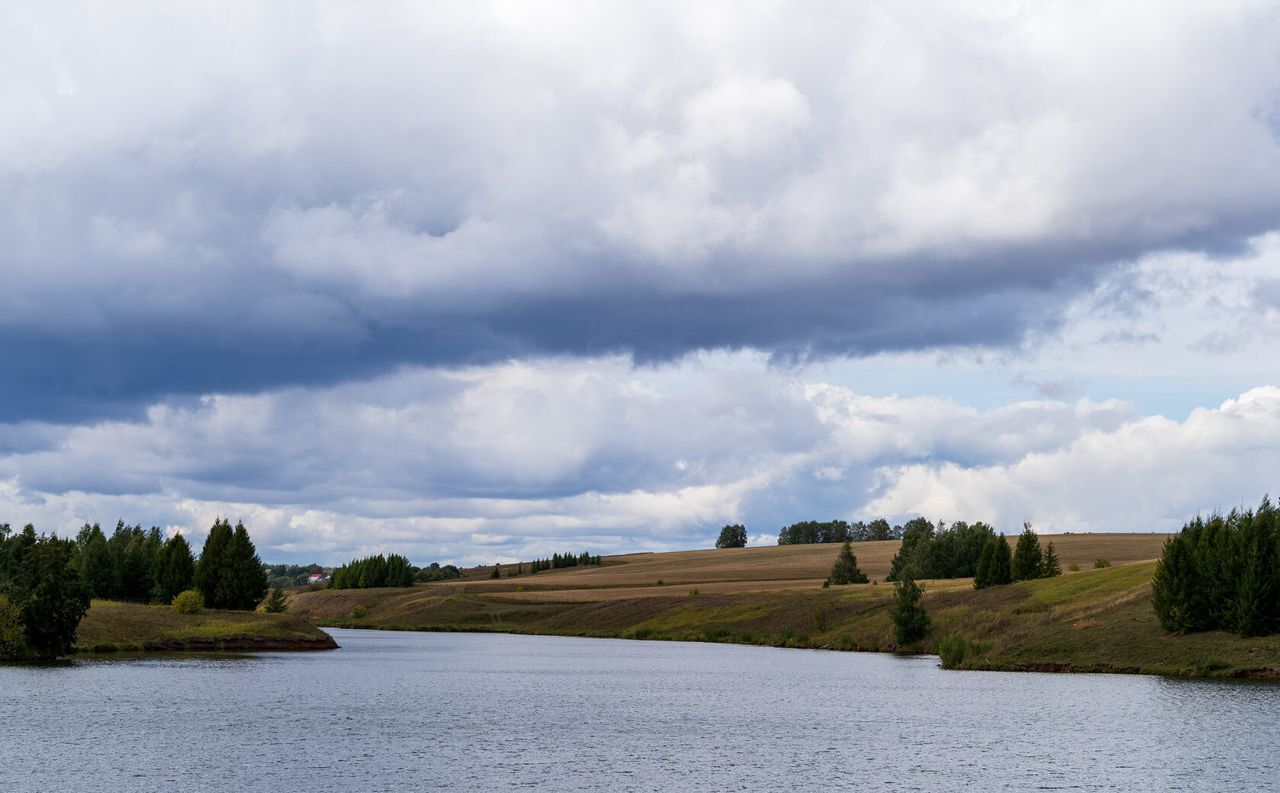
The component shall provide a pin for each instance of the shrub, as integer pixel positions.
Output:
(659, 582)
(692, 592)
(189, 602)
(1073, 567)
(821, 618)
(359, 612)
(1101, 563)
(951, 649)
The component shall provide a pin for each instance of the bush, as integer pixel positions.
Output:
(1101, 563)
(359, 612)
(189, 602)
(821, 618)
(1073, 567)
(951, 649)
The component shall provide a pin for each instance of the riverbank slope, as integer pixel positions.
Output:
(1093, 620)
(111, 626)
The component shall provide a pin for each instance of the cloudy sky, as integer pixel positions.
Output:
(477, 281)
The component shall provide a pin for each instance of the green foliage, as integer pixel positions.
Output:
(995, 564)
(821, 618)
(175, 569)
(1050, 566)
(188, 602)
(497, 572)
(732, 536)
(276, 603)
(436, 572)
(1028, 559)
(41, 581)
(229, 574)
(951, 649)
(1073, 567)
(910, 620)
(1098, 564)
(558, 561)
(845, 570)
(944, 552)
(1222, 574)
(377, 571)
(359, 612)
(209, 569)
(13, 633)
(811, 531)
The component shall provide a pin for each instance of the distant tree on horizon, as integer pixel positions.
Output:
(732, 536)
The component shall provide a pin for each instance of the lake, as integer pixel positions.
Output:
(404, 711)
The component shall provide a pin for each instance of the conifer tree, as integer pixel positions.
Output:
(982, 577)
(1027, 558)
(209, 569)
(845, 570)
(497, 572)
(910, 620)
(1256, 591)
(1171, 587)
(275, 602)
(1001, 562)
(175, 568)
(1050, 566)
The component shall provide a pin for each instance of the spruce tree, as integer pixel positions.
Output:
(1171, 587)
(497, 572)
(1255, 606)
(244, 582)
(1027, 559)
(210, 568)
(1050, 566)
(986, 560)
(275, 602)
(1002, 562)
(175, 568)
(845, 570)
(910, 620)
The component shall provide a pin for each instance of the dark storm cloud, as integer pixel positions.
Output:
(196, 202)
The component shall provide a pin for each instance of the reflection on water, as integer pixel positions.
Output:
(404, 711)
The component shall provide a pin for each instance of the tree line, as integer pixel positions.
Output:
(46, 583)
(970, 550)
(1222, 573)
(812, 531)
(374, 571)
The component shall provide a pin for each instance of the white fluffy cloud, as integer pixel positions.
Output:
(523, 458)
(1149, 474)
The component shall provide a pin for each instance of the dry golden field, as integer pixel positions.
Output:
(769, 568)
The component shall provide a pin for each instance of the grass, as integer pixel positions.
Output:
(111, 626)
(1093, 620)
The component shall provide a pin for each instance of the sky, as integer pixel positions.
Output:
(483, 281)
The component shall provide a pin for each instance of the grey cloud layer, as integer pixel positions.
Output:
(236, 198)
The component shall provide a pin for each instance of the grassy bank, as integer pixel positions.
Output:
(1094, 620)
(111, 626)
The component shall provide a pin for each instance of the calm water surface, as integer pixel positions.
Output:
(406, 711)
